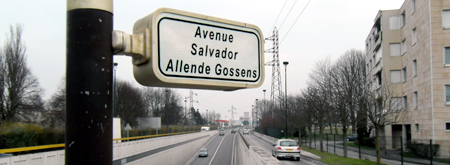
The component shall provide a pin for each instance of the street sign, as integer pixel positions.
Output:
(128, 127)
(189, 50)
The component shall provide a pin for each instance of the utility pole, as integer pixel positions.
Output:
(275, 95)
(89, 83)
(232, 115)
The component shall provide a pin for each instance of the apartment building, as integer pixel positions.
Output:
(409, 48)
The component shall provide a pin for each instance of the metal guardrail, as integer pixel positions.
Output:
(33, 148)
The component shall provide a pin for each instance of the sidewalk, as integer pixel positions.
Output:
(386, 154)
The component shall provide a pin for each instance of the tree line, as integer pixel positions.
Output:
(21, 95)
(338, 97)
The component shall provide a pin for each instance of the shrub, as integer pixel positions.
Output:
(368, 141)
(423, 150)
(17, 135)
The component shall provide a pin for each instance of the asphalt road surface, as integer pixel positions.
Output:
(220, 151)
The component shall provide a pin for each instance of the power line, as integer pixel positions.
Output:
(287, 15)
(273, 26)
(295, 21)
(271, 29)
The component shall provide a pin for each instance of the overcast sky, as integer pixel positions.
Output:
(327, 28)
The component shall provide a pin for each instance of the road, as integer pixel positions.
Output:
(220, 151)
(253, 140)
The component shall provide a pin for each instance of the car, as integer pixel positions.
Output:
(352, 137)
(203, 152)
(246, 131)
(286, 148)
(221, 132)
(233, 131)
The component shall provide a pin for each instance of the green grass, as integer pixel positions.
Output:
(337, 160)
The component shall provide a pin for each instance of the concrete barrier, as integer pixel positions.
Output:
(254, 155)
(176, 155)
(125, 149)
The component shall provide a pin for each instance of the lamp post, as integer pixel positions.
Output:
(256, 110)
(115, 91)
(207, 117)
(285, 63)
(185, 117)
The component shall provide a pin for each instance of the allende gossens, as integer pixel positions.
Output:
(206, 51)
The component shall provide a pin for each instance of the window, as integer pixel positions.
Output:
(446, 19)
(404, 74)
(416, 100)
(396, 76)
(394, 49)
(395, 22)
(396, 103)
(447, 126)
(447, 94)
(378, 55)
(414, 68)
(414, 36)
(405, 102)
(403, 46)
(413, 6)
(447, 56)
(370, 63)
(403, 19)
(417, 127)
(367, 47)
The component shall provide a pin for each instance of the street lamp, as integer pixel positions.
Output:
(285, 63)
(115, 89)
(185, 118)
(207, 117)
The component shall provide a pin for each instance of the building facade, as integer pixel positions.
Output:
(409, 48)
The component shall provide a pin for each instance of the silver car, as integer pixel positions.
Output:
(221, 132)
(286, 148)
(203, 152)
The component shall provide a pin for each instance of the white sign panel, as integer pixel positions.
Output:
(197, 51)
(193, 48)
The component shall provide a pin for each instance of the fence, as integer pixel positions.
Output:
(422, 151)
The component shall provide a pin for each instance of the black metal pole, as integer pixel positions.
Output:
(359, 149)
(285, 94)
(401, 149)
(89, 71)
(327, 142)
(334, 143)
(431, 151)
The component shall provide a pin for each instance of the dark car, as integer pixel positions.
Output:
(233, 130)
(352, 137)
(203, 152)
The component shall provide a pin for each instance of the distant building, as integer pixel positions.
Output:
(410, 48)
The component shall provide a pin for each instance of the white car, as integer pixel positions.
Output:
(246, 131)
(286, 148)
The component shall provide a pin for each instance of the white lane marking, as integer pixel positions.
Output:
(195, 154)
(217, 149)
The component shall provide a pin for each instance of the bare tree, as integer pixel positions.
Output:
(321, 80)
(20, 94)
(348, 79)
(382, 109)
(130, 103)
(56, 108)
